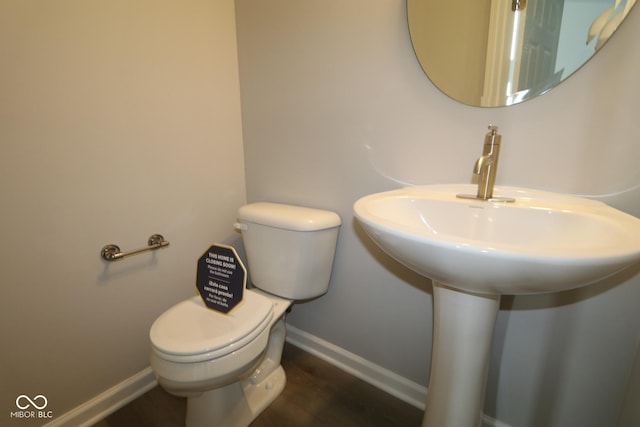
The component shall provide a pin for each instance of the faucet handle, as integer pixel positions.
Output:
(491, 139)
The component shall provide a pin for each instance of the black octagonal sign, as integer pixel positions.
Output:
(221, 278)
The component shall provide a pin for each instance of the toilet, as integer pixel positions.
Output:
(228, 365)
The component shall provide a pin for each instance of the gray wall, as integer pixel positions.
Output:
(118, 120)
(335, 107)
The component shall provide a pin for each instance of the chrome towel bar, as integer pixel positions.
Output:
(112, 252)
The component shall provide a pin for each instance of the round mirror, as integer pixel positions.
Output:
(493, 53)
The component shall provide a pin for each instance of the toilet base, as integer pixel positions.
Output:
(237, 404)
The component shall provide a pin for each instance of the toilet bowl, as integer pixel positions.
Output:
(204, 355)
(228, 365)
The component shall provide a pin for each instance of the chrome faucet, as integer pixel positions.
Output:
(486, 168)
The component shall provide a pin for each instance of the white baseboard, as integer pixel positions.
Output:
(379, 377)
(390, 382)
(107, 402)
(487, 421)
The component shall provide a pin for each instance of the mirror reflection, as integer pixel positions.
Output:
(492, 53)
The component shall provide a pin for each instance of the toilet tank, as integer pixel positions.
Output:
(289, 249)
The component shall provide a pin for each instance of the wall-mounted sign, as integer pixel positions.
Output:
(221, 278)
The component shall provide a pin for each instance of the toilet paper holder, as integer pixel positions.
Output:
(112, 252)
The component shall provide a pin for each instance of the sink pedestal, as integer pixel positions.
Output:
(463, 324)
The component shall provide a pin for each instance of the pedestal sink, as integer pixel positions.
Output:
(475, 251)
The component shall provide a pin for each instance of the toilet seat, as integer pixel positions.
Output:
(190, 332)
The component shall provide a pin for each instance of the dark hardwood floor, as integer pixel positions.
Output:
(317, 394)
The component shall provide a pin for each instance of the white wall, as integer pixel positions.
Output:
(335, 106)
(118, 120)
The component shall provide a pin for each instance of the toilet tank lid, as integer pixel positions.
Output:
(289, 217)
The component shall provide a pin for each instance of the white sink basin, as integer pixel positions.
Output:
(542, 242)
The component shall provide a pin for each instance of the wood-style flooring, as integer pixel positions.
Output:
(317, 394)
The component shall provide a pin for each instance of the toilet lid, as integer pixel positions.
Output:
(190, 328)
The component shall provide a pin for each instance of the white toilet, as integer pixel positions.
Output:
(228, 365)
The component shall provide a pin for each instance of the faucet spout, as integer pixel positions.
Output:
(486, 166)
(482, 163)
